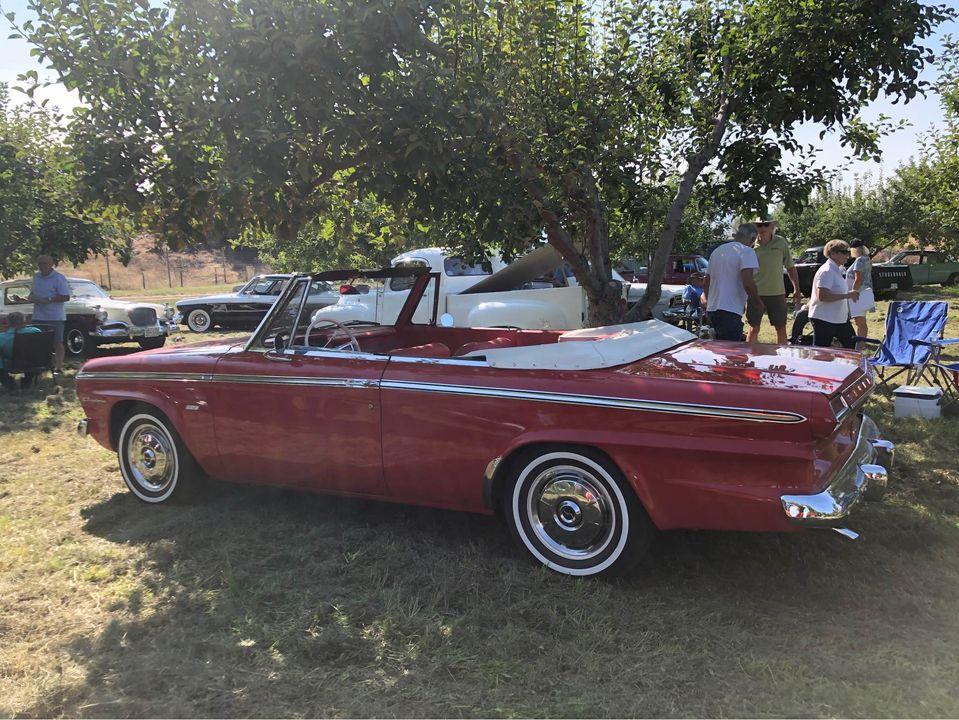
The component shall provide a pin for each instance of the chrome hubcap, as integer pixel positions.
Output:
(75, 341)
(199, 320)
(570, 512)
(151, 458)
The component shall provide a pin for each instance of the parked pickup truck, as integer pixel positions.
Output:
(887, 278)
(94, 318)
(531, 293)
(927, 267)
(678, 269)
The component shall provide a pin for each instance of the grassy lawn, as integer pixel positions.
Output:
(257, 602)
(171, 295)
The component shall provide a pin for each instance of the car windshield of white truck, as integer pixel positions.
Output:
(87, 290)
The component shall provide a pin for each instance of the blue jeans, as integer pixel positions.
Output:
(728, 326)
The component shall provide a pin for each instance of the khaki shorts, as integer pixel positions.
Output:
(775, 311)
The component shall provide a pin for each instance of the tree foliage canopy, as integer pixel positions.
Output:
(486, 122)
(39, 208)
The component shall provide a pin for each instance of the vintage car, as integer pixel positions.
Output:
(887, 278)
(586, 441)
(94, 318)
(243, 308)
(927, 267)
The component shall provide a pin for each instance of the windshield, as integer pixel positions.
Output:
(87, 289)
(809, 257)
(264, 286)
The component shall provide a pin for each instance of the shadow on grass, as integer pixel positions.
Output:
(257, 601)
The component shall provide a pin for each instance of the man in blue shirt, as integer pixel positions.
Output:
(49, 293)
(17, 327)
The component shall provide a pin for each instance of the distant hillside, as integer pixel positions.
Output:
(150, 268)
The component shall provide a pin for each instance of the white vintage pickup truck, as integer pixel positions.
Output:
(526, 294)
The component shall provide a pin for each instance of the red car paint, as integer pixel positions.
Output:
(381, 428)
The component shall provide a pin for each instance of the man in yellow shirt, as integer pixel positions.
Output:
(774, 255)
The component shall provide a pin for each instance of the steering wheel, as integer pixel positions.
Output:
(340, 330)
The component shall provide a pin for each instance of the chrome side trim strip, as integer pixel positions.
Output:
(676, 408)
(732, 413)
(295, 380)
(164, 376)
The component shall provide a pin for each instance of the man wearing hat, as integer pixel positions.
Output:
(773, 255)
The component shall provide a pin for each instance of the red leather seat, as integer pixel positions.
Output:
(430, 350)
(479, 345)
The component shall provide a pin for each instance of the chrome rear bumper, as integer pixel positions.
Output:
(863, 476)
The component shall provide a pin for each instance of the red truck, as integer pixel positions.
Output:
(678, 269)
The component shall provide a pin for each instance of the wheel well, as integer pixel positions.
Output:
(503, 471)
(124, 409)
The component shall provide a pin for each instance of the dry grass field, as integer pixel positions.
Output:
(258, 602)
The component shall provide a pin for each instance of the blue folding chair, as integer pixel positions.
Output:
(913, 336)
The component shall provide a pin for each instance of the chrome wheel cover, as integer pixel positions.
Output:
(199, 320)
(151, 458)
(570, 512)
(75, 341)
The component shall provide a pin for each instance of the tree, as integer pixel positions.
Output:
(490, 122)
(39, 208)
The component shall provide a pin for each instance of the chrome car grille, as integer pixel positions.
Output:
(143, 316)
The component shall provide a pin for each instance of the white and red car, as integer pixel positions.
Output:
(94, 318)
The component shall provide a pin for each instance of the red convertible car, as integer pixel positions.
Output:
(587, 441)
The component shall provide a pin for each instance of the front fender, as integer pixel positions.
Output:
(185, 405)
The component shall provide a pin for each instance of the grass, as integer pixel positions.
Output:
(171, 295)
(258, 602)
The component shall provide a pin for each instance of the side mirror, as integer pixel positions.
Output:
(279, 341)
(446, 320)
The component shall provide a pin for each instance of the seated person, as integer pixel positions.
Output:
(18, 326)
(693, 292)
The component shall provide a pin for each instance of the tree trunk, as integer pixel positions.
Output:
(695, 164)
(602, 294)
(644, 308)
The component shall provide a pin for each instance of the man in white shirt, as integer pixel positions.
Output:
(730, 282)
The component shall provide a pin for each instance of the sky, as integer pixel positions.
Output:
(924, 115)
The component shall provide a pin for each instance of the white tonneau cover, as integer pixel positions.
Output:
(592, 348)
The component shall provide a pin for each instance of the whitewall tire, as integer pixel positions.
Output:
(573, 511)
(199, 320)
(154, 463)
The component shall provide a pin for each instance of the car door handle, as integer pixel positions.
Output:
(276, 357)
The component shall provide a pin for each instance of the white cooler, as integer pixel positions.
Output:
(918, 401)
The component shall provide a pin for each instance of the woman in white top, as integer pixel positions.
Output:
(829, 306)
(859, 277)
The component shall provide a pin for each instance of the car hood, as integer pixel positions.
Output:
(114, 304)
(225, 297)
(786, 367)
